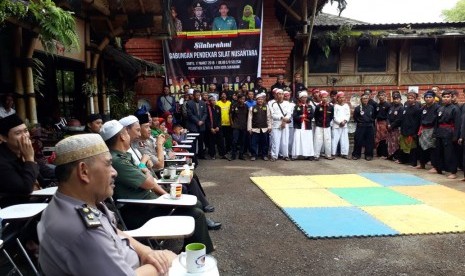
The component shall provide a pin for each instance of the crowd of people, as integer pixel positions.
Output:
(290, 122)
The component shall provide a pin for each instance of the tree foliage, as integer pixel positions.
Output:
(455, 14)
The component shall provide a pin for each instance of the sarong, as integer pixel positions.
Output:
(381, 132)
(393, 141)
(426, 139)
(407, 143)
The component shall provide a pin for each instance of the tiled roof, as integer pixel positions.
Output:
(326, 19)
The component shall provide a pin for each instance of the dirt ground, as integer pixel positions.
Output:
(258, 239)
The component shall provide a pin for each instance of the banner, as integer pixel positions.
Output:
(217, 42)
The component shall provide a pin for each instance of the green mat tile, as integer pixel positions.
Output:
(373, 196)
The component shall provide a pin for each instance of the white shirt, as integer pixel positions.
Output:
(341, 114)
(277, 114)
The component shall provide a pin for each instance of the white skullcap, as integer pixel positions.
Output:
(78, 147)
(128, 120)
(279, 91)
(287, 92)
(303, 94)
(260, 95)
(110, 128)
(190, 91)
(274, 90)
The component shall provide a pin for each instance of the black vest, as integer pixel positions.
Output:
(259, 116)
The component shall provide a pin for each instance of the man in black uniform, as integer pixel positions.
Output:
(382, 110)
(394, 121)
(364, 115)
(425, 134)
(213, 129)
(259, 88)
(198, 22)
(446, 132)
(239, 113)
(297, 86)
(279, 85)
(409, 130)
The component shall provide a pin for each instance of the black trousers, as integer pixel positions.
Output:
(364, 137)
(445, 156)
(382, 149)
(425, 155)
(215, 141)
(200, 145)
(259, 145)
(228, 137)
(239, 140)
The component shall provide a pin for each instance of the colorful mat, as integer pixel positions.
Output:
(367, 204)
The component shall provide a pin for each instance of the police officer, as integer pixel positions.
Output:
(198, 22)
(77, 233)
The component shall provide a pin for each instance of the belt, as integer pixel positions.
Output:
(444, 125)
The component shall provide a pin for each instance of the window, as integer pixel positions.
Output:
(319, 63)
(424, 55)
(462, 55)
(372, 59)
(65, 86)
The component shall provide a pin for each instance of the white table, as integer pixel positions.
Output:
(181, 168)
(176, 160)
(50, 191)
(165, 227)
(185, 200)
(22, 211)
(192, 134)
(164, 181)
(187, 141)
(184, 154)
(178, 267)
(182, 147)
(191, 138)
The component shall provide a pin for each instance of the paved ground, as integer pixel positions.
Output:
(258, 239)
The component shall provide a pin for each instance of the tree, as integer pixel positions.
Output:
(455, 14)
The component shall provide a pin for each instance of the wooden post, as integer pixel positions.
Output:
(19, 88)
(309, 39)
(29, 78)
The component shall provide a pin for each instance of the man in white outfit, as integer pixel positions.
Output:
(281, 115)
(303, 137)
(340, 131)
(290, 100)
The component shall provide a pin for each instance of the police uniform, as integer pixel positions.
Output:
(198, 24)
(78, 240)
(127, 185)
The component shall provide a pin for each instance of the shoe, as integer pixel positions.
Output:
(213, 158)
(287, 159)
(293, 159)
(265, 158)
(369, 158)
(223, 157)
(213, 225)
(241, 157)
(329, 158)
(273, 159)
(209, 209)
(344, 157)
(316, 159)
(233, 157)
(253, 158)
(355, 158)
(310, 158)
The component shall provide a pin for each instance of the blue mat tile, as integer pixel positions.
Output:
(337, 222)
(396, 179)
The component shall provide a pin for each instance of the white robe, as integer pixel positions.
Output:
(302, 144)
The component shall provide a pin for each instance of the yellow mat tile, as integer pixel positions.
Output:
(284, 182)
(306, 198)
(416, 219)
(441, 197)
(342, 181)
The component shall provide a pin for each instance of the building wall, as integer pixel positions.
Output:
(398, 75)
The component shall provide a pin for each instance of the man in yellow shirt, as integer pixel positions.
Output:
(225, 106)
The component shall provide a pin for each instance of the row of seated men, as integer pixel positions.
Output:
(91, 168)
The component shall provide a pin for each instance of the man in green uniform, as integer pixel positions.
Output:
(135, 182)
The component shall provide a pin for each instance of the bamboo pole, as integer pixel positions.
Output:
(106, 107)
(29, 78)
(19, 87)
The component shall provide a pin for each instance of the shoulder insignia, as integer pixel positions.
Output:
(90, 216)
